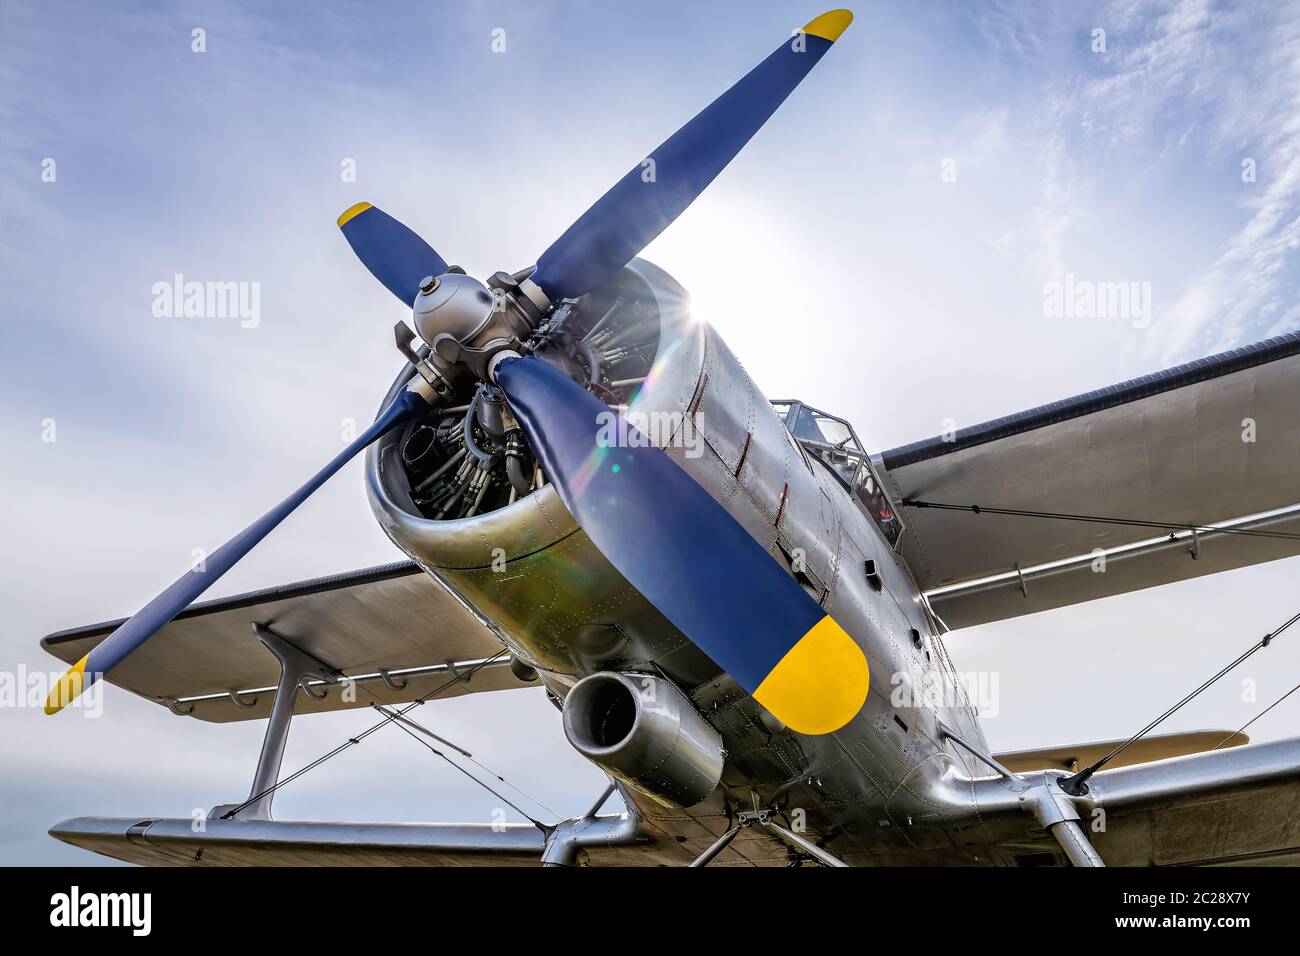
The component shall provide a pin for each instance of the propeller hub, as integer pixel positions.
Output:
(452, 304)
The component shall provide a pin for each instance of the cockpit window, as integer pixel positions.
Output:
(817, 427)
(876, 502)
(834, 443)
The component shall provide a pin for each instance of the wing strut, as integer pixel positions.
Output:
(1053, 810)
(265, 791)
(296, 665)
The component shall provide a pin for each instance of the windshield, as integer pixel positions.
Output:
(815, 426)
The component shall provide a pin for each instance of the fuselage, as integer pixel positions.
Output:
(534, 577)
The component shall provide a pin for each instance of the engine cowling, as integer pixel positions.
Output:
(643, 730)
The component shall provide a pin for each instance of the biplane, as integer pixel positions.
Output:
(737, 609)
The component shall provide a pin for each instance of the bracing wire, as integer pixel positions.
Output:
(1242, 729)
(353, 741)
(1171, 526)
(401, 724)
(410, 722)
(1076, 784)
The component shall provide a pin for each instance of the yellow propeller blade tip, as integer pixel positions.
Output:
(67, 688)
(352, 212)
(820, 684)
(830, 25)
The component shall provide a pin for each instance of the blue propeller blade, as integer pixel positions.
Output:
(394, 254)
(148, 620)
(682, 550)
(639, 207)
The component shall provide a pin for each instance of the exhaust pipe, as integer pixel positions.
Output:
(644, 731)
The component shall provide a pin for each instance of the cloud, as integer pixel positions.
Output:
(1200, 78)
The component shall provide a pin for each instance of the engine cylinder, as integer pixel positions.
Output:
(644, 731)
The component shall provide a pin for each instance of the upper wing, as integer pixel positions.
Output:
(393, 617)
(1216, 441)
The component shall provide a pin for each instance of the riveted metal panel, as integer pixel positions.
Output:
(725, 411)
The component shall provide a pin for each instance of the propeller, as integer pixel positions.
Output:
(146, 622)
(637, 208)
(660, 529)
(394, 254)
(686, 554)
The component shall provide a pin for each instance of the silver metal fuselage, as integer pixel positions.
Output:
(889, 776)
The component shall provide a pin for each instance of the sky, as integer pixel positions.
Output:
(881, 250)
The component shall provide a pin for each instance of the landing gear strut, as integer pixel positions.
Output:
(748, 818)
